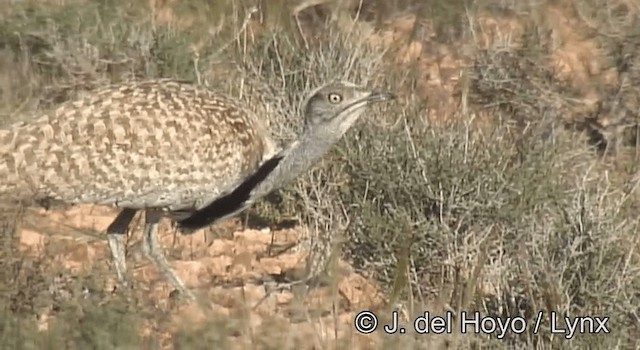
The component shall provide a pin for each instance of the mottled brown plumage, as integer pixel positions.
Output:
(138, 145)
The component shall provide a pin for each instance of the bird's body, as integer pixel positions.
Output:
(169, 148)
(153, 144)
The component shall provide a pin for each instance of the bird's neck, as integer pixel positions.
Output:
(272, 174)
(296, 159)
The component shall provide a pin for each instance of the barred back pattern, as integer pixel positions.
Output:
(160, 143)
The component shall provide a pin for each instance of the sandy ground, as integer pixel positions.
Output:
(223, 271)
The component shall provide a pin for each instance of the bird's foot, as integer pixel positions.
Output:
(183, 294)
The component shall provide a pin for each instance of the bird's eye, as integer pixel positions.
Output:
(335, 98)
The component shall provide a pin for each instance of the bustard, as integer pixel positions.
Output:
(169, 148)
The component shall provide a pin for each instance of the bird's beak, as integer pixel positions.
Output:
(380, 95)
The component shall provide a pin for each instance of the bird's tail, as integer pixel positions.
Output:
(5, 145)
(11, 210)
(10, 177)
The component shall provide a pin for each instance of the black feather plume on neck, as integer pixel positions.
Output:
(229, 204)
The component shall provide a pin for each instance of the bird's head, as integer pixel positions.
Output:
(337, 106)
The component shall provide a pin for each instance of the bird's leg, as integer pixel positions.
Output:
(153, 251)
(116, 235)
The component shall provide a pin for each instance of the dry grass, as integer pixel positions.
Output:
(502, 206)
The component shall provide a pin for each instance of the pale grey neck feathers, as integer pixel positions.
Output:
(329, 112)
